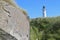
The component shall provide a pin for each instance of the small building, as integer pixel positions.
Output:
(44, 12)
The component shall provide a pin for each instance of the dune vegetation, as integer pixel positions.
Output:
(45, 28)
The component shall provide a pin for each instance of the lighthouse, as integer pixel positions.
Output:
(44, 12)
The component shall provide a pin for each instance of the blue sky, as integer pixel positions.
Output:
(34, 7)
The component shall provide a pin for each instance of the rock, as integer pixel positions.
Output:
(13, 21)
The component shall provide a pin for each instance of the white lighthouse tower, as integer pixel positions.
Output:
(44, 11)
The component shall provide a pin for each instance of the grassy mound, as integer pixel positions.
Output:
(45, 28)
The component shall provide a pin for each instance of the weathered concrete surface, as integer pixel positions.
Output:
(6, 36)
(13, 21)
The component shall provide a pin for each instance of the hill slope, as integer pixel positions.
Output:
(45, 28)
